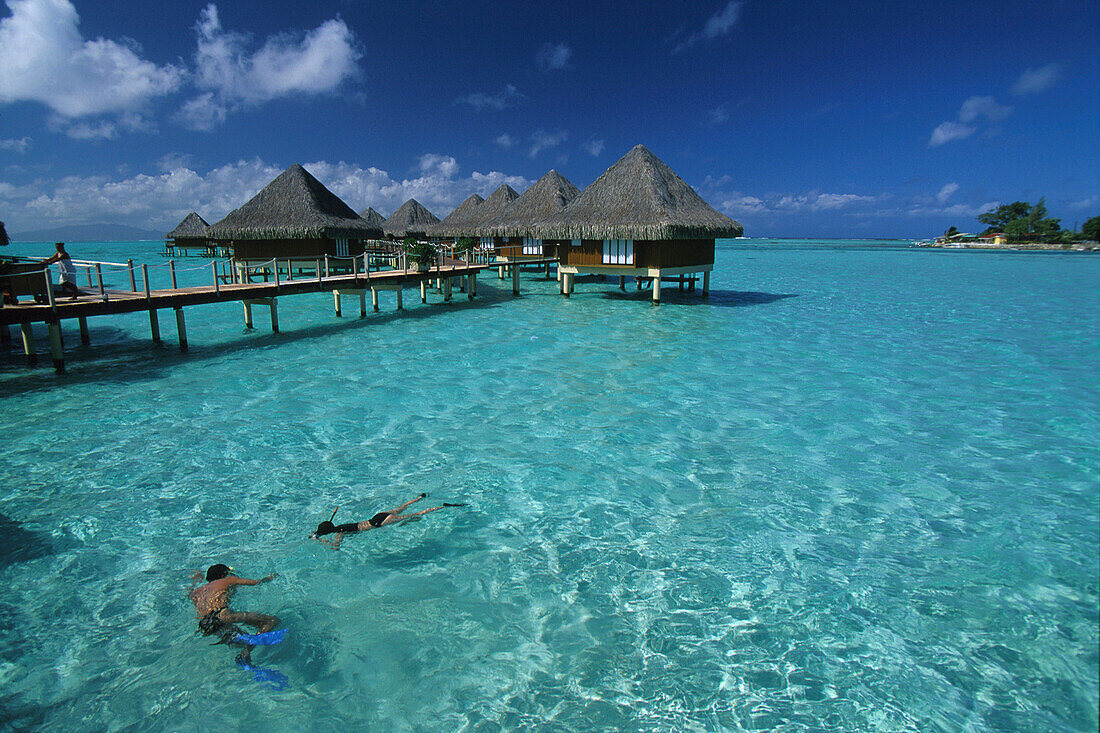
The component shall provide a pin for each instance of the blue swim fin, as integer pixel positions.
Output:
(272, 679)
(265, 639)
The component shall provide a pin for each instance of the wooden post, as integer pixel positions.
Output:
(99, 279)
(172, 271)
(500, 272)
(85, 339)
(447, 289)
(57, 351)
(363, 303)
(515, 278)
(154, 325)
(247, 313)
(214, 270)
(238, 271)
(374, 299)
(274, 315)
(49, 291)
(133, 283)
(336, 302)
(657, 288)
(88, 272)
(181, 328)
(289, 270)
(275, 269)
(423, 291)
(326, 265)
(28, 344)
(547, 270)
(400, 305)
(706, 283)
(622, 283)
(473, 286)
(318, 272)
(145, 279)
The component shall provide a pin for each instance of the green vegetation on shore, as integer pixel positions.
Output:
(1023, 223)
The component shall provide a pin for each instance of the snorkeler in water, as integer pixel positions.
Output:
(217, 619)
(381, 519)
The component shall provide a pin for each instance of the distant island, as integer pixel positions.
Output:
(1021, 225)
(88, 233)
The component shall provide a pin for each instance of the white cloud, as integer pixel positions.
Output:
(498, 101)
(718, 115)
(553, 56)
(541, 140)
(1038, 80)
(505, 141)
(947, 192)
(43, 58)
(161, 201)
(19, 145)
(949, 131)
(201, 113)
(594, 147)
(719, 24)
(317, 62)
(975, 108)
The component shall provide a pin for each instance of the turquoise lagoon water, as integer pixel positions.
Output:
(856, 489)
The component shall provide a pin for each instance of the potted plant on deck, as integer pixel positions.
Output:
(421, 254)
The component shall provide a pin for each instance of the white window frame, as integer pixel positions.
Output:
(486, 243)
(532, 246)
(618, 252)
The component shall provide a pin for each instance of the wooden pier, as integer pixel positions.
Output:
(281, 281)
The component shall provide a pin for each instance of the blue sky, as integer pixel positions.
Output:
(796, 118)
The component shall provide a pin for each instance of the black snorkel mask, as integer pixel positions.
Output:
(326, 527)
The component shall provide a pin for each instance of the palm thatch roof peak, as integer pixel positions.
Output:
(371, 216)
(410, 218)
(193, 226)
(639, 197)
(294, 206)
(546, 196)
(490, 209)
(452, 223)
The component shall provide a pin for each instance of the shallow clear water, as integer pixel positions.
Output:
(855, 489)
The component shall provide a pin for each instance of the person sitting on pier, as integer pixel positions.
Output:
(216, 619)
(381, 519)
(66, 269)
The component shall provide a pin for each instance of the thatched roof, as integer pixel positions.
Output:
(452, 224)
(411, 218)
(371, 216)
(293, 206)
(490, 209)
(546, 196)
(638, 198)
(193, 226)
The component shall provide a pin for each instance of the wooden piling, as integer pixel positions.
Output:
(247, 313)
(622, 283)
(706, 283)
(363, 303)
(473, 286)
(274, 315)
(657, 289)
(57, 350)
(423, 291)
(447, 289)
(336, 302)
(154, 325)
(133, 283)
(515, 278)
(28, 344)
(181, 329)
(374, 298)
(85, 339)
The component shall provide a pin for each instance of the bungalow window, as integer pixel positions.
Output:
(342, 248)
(486, 243)
(576, 243)
(618, 251)
(532, 246)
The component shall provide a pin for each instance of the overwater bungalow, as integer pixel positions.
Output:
(512, 231)
(410, 220)
(294, 217)
(454, 225)
(638, 219)
(488, 212)
(189, 238)
(371, 216)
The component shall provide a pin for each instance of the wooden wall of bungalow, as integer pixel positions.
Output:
(266, 249)
(518, 248)
(633, 253)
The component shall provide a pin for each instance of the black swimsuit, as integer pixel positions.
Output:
(378, 519)
(346, 528)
